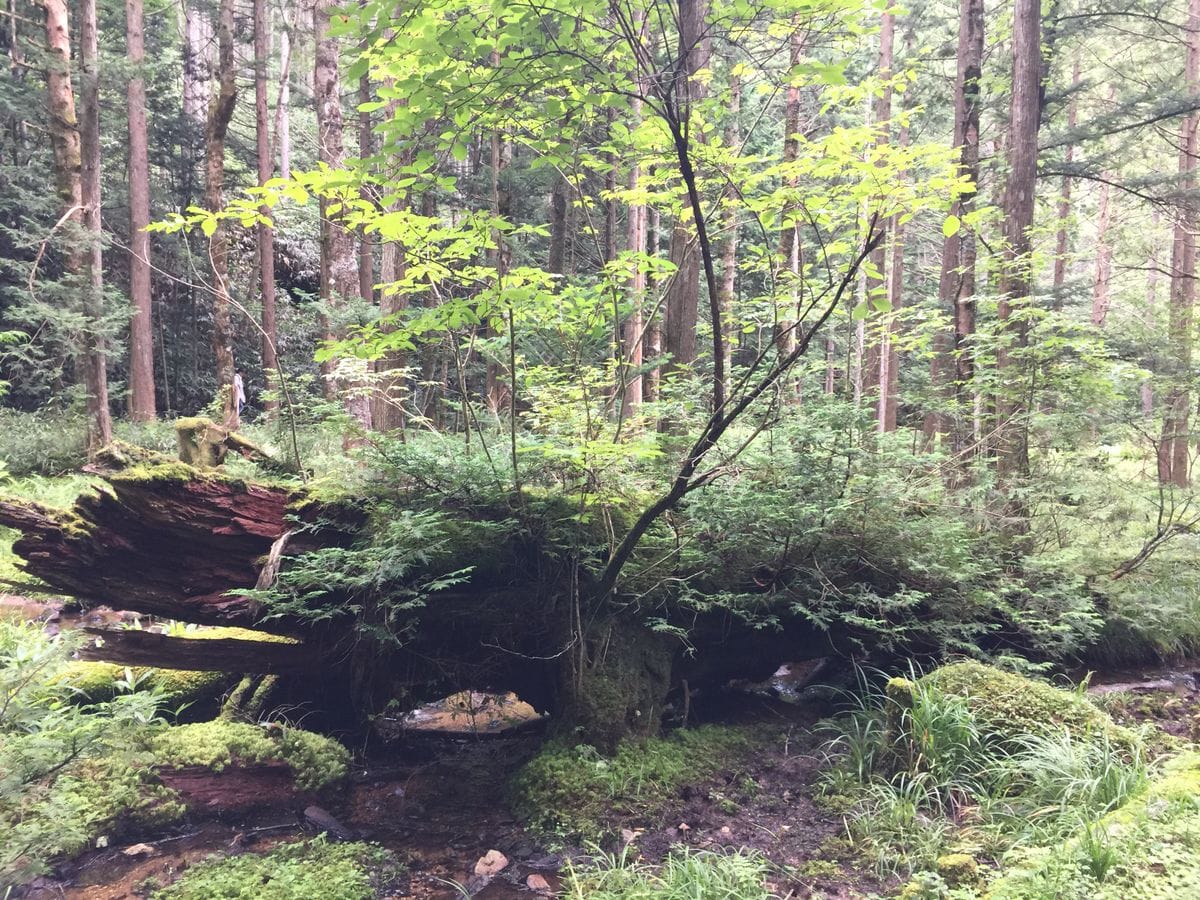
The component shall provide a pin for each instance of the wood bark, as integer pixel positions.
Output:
(197, 63)
(632, 343)
(161, 651)
(1173, 450)
(652, 343)
(729, 240)
(283, 109)
(94, 361)
(1101, 292)
(790, 249)
(339, 263)
(220, 112)
(142, 406)
(265, 234)
(681, 307)
(1016, 277)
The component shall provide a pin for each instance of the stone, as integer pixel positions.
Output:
(140, 850)
(539, 885)
(491, 864)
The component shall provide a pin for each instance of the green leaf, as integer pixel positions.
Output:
(951, 226)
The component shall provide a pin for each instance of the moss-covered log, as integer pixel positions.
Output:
(161, 651)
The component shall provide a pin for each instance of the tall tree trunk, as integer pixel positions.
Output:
(681, 307)
(197, 63)
(283, 109)
(557, 254)
(339, 265)
(1101, 293)
(652, 344)
(877, 280)
(220, 112)
(1173, 447)
(790, 250)
(1151, 307)
(141, 331)
(366, 254)
(954, 371)
(729, 241)
(95, 377)
(889, 358)
(266, 170)
(1016, 276)
(1062, 239)
(635, 242)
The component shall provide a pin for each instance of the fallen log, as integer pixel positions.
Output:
(160, 539)
(161, 651)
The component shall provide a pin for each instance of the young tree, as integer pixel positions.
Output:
(142, 406)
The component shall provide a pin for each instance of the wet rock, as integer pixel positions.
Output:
(319, 818)
(548, 863)
(491, 864)
(539, 885)
(140, 850)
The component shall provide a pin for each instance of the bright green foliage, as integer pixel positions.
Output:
(68, 774)
(300, 871)
(683, 875)
(316, 762)
(1146, 849)
(573, 792)
(1007, 706)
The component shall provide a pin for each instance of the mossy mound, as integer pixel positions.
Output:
(299, 871)
(316, 761)
(1149, 848)
(1007, 705)
(97, 682)
(575, 793)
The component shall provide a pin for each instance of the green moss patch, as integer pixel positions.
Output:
(574, 792)
(299, 871)
(1149, 848)
(97, 682)
(316, 762)
(1006, 705)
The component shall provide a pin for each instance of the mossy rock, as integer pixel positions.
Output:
(958, 869)
(1007, 705)
(299, 871)
(316, 761)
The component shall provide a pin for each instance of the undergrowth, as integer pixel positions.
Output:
(683, 875)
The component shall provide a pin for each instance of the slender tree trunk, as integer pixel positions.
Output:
(339, 264)
(790, 250)
(683, 291)
(556, 259)
(1101, 293)
(1016, 277)
(366, 254)
(652, 344)
(141, 327)
(635, 242)
(266, 170)
(729, 241)
(1173, 447)
(95, 379)
(877, 279)
(220, 112)
(1151, 308)
(889, 358)
(1062, 239)
(197, 63)
(283, 110)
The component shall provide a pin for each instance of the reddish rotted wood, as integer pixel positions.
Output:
(234, 789)
(162, 540)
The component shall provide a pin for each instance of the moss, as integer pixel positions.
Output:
(298, 871)
(574, 792)
(1152, 843)
(1007, 705)
(97, 682)
(316, 761)
(958, 869)
(621, 688)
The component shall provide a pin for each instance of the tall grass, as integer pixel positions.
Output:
(684, 875)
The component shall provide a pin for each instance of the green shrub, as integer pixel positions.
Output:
(574, 792)
(316, 761)
(300, 871)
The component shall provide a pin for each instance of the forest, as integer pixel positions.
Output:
(606, 449)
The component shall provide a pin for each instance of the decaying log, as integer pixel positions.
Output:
(235, 789)
(205, 444)
(160, 539)
(161, 651)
